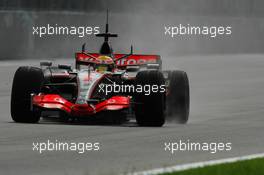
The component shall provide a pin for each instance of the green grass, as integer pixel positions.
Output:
(247, 167)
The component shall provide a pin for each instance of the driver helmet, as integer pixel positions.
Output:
(104, 63)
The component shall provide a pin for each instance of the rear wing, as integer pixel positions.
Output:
(132, 60)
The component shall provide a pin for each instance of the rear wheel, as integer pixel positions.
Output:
(149, 108)
(178, 98)
(27, 80)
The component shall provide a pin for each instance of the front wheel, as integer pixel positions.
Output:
(27, 80)
(150, 107)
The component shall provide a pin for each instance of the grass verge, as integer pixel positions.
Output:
(246, 167)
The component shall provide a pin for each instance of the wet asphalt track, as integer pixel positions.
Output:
(227, 99)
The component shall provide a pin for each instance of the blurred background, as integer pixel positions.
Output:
(138, 22)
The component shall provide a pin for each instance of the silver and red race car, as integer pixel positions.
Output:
(102, 86)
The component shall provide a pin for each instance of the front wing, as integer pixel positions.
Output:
(56, 102)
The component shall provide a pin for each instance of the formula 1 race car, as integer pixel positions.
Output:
(103, 86)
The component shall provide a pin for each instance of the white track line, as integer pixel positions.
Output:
(196, 165)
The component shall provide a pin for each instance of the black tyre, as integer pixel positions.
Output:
(150, 109)
(178, 98)
(27, 80)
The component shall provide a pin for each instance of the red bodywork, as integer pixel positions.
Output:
(82, 58)
(56, 102)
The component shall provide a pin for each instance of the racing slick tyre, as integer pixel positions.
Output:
(150, 107)
(27, 80)
(178, 98)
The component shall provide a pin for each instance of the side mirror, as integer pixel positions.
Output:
(64, 66)
(83, 48)
(153, 66)
(132, 68)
